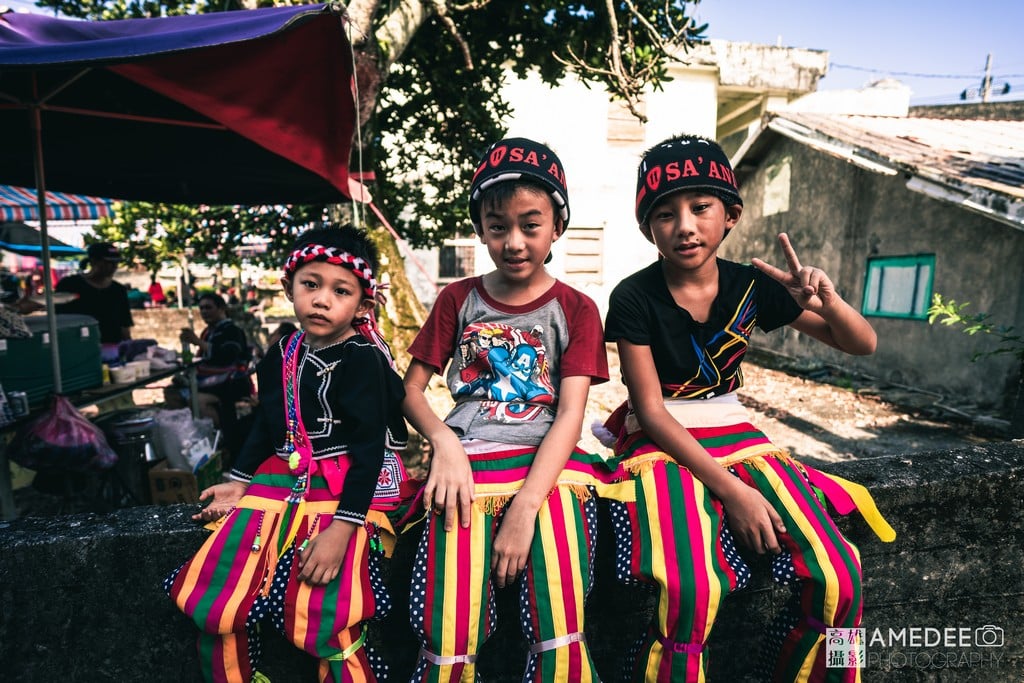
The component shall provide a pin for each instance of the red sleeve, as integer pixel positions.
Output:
(435, 342)
(585, 354)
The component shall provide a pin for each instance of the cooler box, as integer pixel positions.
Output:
(27, 365)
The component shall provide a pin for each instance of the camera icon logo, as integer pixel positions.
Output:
(988, 636)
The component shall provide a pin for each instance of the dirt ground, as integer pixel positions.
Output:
(818, 420)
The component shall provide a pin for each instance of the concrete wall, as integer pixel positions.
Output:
(80, 596)
(987, 111)
(164, 324)
(837, 216)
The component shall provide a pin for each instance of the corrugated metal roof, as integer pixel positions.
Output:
(972, 163)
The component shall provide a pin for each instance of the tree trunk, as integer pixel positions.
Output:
(404, 314)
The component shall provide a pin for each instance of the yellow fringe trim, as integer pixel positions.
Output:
(582, 493)
(492, 505)
(863, 502)
(645, 463)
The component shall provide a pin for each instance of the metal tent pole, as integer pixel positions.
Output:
(44, 238)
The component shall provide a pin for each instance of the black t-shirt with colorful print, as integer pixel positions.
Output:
(698, 360)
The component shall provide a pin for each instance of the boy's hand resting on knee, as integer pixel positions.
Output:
(449, 489)
(224, 499)
(320, 559)
(512, 543)
(753, 521)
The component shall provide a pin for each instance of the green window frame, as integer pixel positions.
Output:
(899, 286)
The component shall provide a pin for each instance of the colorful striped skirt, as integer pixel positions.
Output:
(452, 596)
(245, 572)
(675, 537)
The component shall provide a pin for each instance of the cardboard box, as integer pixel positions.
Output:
(169, 487)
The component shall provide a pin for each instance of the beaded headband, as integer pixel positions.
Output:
(318, 252)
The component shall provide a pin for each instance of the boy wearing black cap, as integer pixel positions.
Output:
(703, 474)
(99, 295)
(510, 492)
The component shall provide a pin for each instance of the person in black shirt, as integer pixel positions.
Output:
(298, 545)
(709, 485)
(99, 295)
(222, 374)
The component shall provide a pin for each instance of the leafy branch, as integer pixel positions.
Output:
(952, 314)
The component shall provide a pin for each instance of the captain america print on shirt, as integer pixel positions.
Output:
(507, 368)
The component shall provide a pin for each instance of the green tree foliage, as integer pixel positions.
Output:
(1007, 341)
(952, 314)
(157, 233)
(430, 74)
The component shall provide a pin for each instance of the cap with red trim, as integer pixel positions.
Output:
(518, 159)
(684, 163)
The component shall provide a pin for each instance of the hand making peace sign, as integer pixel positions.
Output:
(810, 287)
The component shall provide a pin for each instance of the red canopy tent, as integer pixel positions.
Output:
(243, 107)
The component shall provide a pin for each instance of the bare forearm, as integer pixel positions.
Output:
(422, 417)
(850, 331)
(839, 326)
(552, 454)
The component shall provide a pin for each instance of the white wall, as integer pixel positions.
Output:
(574, 121)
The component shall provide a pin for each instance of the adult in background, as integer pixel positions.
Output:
(222, 374)
(99, 295)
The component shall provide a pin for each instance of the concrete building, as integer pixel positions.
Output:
(896, 209)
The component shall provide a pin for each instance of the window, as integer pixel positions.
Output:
(584, 254)
(899, 286)
(776, 187)
(457, 260)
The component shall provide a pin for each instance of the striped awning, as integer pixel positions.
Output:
(21, 204)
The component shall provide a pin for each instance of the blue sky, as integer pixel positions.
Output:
(938, 48)
(893, 38)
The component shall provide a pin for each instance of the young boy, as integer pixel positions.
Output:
(298, 535)
(509, 490)
(703, 474)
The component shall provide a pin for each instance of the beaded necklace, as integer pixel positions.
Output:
(297, 446)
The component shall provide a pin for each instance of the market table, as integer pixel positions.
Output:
(87, 397)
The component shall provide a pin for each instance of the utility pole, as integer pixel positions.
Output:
(985, 90)
(986, 83)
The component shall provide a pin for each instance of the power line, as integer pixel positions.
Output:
(909, 74)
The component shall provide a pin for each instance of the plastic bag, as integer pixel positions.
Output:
(174, 431)
(62, 438)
